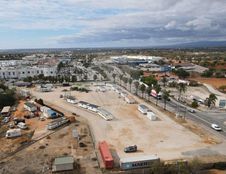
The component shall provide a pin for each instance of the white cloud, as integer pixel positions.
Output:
(117, 19)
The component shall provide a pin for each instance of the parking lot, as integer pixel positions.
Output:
(163, 137)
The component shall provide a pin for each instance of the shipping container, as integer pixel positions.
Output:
(106, 155)
(138, 162)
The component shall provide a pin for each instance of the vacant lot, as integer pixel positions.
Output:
(215, 82)
(164, 137)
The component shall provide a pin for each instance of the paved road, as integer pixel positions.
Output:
(206, 118)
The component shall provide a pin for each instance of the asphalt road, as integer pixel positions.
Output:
(205, 118)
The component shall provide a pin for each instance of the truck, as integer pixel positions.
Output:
(13, 133)
(156, 95)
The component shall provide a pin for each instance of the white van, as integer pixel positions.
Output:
(22, 125)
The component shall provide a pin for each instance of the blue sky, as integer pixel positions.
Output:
(109, 23)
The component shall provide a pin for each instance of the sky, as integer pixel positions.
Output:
(109, 23)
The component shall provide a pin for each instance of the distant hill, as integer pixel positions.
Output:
(201, 44)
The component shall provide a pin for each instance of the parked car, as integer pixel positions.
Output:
(130, 149)
(18, 120)
(11, 125)
(22, 125)
(216, 127)
(5, 120)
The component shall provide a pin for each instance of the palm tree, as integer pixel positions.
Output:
(130, 83)
(142, 88)
(136, 86)
(157, 89)
(114, 75)
(165, 96)
(125, 80)
(182, 89)
(164, 81)
(120, 78)
(148, 91)
(211, 100)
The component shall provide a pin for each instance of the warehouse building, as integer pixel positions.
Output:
(63, 164)
(138, 162)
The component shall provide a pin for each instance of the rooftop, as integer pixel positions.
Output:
(63, 160)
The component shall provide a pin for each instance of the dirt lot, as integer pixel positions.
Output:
(40, 155)
(164, 137)
(215, 82)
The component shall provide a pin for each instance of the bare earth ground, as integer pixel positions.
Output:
(164, 137)
(215, 82)
(38, 157)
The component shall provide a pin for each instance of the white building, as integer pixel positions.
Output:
(19, 72)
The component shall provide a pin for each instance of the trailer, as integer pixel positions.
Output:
(30, 106)
(5, 111)
(106, 155)
(143, 108)
(151, 115)
(138, 162)
(105, 114)
(13, 133)
(71, 99)
(48, 112)
(130, 100)
(57, 123)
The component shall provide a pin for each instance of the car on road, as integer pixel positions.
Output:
(129, 149)
(216, 127)
(191, 110)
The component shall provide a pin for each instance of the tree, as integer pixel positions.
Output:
(150, 80)
(59, 66)
(136, 86)
(164, 81)
(142, 88)
(125, 80)
(114, 75)
(74, 78)
(148, 91)
(157, 89)
(94, 77)
(194, 104)
(130, 83)
(211, 100)
(181, 73)
(182, 89)
(165, 96)
(120, 78)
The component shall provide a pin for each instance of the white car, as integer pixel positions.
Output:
(216, 127)
(22, 125)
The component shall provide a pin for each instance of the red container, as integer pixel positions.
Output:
(106, 155)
